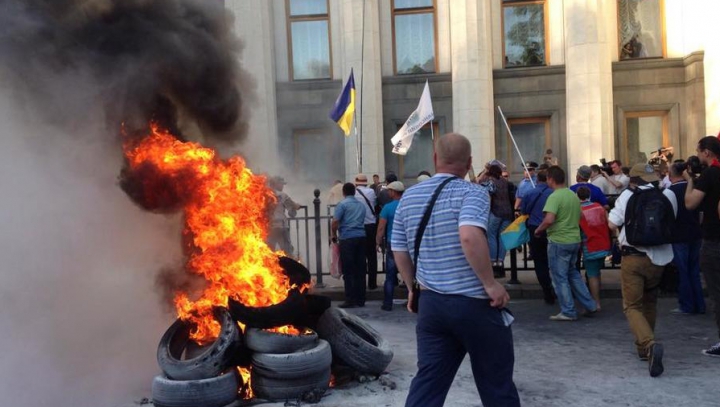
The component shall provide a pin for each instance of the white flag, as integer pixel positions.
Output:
(402, 140)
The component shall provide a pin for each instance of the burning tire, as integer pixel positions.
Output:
(354, 341)
(297, 365)
(272, 389)
(214, 392)
(297, 273)
(260, 340)
(210, 362)
(287, 312)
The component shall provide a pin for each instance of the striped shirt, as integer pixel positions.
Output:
(442, 266)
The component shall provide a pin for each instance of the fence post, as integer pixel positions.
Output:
(318, 240)
(513, 267)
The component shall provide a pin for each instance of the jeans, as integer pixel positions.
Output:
(450, 326)
(390, 278)
(540, 259)
(687, 261)
(566, 278)
(710, 266)
(352, 260)
(495, 226)
(639, 282)
(371, 254)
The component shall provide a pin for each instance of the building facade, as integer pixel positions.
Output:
(588, 79)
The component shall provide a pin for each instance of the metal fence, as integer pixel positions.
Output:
(310, 236)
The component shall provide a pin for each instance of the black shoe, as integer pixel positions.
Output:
(549, 297)
(655, 361)
(643, 356)
(386, 307)
(347, 304)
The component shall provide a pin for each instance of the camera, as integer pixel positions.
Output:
(694, 165)
(605, 167)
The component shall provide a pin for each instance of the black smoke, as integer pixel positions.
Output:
(142, 59)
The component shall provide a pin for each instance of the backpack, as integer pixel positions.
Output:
(649, 218)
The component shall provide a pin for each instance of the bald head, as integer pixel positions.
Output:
(452, 153)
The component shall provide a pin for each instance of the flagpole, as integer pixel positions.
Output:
(507, 126)
(362, 86)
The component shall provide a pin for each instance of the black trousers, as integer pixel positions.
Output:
(352, 261)
(540, 259)
(371, 255)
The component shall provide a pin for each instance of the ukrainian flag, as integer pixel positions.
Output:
(344, 109)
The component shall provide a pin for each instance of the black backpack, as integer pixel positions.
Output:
(649, 218)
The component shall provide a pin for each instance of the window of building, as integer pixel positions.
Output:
(414, 36)
(309, 39)
(312, 149)
(640, 29)
(419, 157)
(524, 33)
(643, 133)
(532, 136)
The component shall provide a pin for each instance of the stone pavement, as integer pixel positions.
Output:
(587, 363)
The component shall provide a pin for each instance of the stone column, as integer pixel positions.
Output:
(254, 25)
(472, 78)
(588, 79)
(368, 84)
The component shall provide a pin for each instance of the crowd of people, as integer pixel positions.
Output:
(442, 236)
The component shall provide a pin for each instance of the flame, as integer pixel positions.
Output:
(226, 219)
(290, 330)
(332, 381)
(245, 390)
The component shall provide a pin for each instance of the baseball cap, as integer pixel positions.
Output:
(645, 172)
(396, 186)
(584, 172)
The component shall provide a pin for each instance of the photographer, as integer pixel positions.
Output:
(618, 180)
(704, 193)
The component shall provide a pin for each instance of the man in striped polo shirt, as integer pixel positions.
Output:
(461, 309)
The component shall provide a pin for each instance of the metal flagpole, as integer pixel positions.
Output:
(362, 85)
(507, 126)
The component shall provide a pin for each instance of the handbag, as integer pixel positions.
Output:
(516, 234)
(414, 304)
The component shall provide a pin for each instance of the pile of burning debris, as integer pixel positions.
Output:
(250, 329)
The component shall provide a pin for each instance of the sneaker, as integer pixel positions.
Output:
(655, 361)
(643, 355)
(562, 317)
(678, 311)
(347, 304)
(713, 351)
(386, 307)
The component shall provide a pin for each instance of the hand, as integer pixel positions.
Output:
(538, 233)
(410, 300)
(499, 298)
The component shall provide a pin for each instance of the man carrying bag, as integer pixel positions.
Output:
(461, 310)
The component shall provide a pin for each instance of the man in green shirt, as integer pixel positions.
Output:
(562, 222)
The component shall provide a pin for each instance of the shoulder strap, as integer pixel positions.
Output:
(372, 210)
(426, 219)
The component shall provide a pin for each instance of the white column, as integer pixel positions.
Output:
(472, 80)
(588, 78)
(254, 24)
(368, 83)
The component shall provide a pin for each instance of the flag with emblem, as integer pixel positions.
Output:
(402, 140)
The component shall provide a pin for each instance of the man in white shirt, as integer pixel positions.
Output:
(641, 271)
(597, 179)
(618, 181)
(367, 197)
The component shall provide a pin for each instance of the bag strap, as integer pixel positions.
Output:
(426, 219)
(367, 201)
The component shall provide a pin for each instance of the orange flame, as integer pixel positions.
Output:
(226, 218)
(290, 330)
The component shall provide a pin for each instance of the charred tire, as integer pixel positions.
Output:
(354, 341)
(286, 389)
(214, 392)
(288, 366)
(287, 312)
(210, 362)
(295, 271)
(316, 304)
(263, 341)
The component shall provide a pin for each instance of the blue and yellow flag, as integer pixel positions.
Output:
(344, 109)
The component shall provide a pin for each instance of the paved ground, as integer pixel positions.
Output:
(590, 362)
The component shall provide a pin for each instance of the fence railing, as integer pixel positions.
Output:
(310, 236)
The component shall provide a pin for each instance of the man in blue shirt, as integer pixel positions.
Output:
(461, 309)
(583, 179)
(382, 241)
(533, 205)
(349, 220)
(526, 185)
